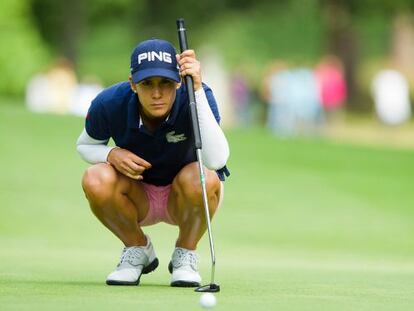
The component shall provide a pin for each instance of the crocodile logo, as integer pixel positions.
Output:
(174, 138)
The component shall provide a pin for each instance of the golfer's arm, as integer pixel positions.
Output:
(215, 149)
(92, 150)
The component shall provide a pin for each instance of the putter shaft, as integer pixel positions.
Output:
(182, 38)
(207, 213)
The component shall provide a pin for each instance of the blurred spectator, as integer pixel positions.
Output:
(331, 84)
(390, 91)
(216, 76)
(241, 96)
(294, 105)
(37, 90)
(305, 101)
(62, 82)
(57, 91)
(82, 96)
(280, 117)
(52, 92)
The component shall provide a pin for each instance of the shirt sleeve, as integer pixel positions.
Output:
(91, 150)
(212, 102)
(215, 151)
(96, 123)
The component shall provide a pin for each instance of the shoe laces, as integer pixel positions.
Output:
(133, 256)
(184, 257)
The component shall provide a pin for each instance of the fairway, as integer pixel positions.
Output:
(305, 225)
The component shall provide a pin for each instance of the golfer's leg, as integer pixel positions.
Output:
(119, 202)
(185, 204)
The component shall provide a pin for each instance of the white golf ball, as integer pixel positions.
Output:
(208, 300)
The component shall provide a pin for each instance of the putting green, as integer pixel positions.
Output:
(305, 225)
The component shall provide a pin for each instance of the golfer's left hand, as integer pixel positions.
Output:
(190, 66)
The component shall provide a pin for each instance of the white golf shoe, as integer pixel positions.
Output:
(184, 268)
(134, 261)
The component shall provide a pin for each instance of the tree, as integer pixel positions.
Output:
(22, 52)
(61, 24)
(342, 38)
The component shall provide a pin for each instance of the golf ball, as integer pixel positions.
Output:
(208, 300)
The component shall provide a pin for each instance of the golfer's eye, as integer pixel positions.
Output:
(166, 82)
(146, 83)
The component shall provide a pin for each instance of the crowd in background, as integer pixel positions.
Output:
(302, 100)
(295, 100)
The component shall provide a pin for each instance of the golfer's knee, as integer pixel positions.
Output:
(187, 182)
(99, 181)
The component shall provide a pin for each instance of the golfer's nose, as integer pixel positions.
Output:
(156, 92)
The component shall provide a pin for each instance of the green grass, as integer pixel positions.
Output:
(305, 225)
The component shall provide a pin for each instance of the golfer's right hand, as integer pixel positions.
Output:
(128, 163)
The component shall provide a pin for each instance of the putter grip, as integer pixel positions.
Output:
(182, 38)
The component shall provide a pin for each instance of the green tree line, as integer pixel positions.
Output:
(97, 35)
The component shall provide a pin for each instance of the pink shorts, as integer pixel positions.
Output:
(158, 202)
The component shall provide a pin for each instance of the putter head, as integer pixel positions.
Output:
(209, 288)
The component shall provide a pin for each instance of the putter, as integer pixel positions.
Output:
(182, 38)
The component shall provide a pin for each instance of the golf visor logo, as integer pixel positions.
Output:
(154, 56)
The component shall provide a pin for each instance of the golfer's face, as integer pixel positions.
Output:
(157, 96)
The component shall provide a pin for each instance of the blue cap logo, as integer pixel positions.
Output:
(154, 58)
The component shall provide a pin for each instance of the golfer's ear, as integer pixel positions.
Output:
(178, 85)
(132, 84)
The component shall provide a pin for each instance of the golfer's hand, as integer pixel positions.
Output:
(190, 66)
(128, 163)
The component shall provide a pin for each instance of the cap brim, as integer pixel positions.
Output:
(155, 72)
